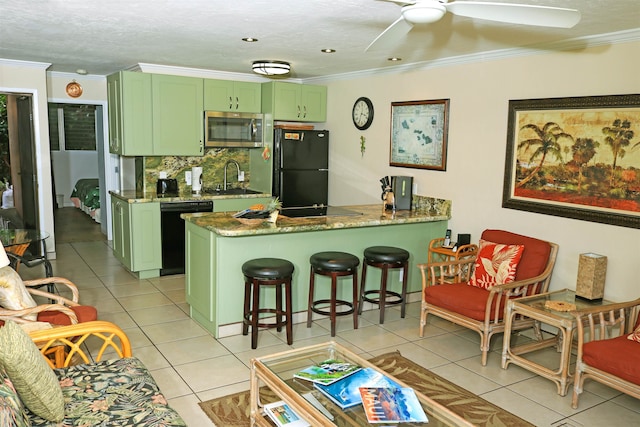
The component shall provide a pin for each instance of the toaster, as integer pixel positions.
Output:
(167, 186)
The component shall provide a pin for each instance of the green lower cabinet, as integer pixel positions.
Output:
(136, 236)
(235, 205)
(214, 280)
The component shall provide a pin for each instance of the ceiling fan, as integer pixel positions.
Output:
(429, 11)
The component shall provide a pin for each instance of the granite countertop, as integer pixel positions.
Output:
(224, 224)
(133, 196)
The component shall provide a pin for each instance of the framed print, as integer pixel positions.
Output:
(419, 134)
(575, 157)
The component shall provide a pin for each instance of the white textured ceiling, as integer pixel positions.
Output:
(103, 36)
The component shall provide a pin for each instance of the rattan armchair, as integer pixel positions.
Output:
(447, 294)
(62, 310)
(604, 352)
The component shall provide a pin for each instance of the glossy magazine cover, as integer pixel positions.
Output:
(328, 371)
(346, 392)
(385, 404)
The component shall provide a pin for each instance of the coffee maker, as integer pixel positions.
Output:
(402, 187)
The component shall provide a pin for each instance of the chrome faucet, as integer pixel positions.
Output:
(230, 162)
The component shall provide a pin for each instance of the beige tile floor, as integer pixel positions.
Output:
(191, 366)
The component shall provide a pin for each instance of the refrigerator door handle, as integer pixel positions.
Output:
(325, 170)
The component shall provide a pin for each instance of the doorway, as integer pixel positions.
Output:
(18, 173)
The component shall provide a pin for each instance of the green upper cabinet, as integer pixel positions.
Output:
(295, 102)
(155, 114)
(130, 115)
(228, 95)
(178, 119)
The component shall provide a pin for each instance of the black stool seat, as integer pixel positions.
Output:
(385, 258)
(273, 272)
(334, 261)
(267, 268)
(333, 264)
(387, 254)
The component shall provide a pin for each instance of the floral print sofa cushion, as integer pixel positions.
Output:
(115, 392)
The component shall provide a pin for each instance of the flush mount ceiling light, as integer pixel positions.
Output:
(267, 67)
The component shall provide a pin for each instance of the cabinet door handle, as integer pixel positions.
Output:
(305, 112)
(230, 103)
(237, 103)
(298, 111)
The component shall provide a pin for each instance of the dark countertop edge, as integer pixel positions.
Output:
(132, 196)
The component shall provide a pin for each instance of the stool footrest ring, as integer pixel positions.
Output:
(397, 297)
(275, 324)
(337, 302)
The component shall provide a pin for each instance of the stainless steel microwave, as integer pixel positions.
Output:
(227, 129)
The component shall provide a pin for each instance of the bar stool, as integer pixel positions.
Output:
(334, 265)
(384, 257)
(274, 272)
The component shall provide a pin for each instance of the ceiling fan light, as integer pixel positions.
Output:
(271, 68)
(421, 13)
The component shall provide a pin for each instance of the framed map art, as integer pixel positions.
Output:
(419, 134)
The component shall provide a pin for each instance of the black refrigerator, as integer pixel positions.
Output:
(301, 167)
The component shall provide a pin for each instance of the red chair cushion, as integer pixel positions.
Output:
(84, 313)
(616, 356)
(461, 298)
(534, 258)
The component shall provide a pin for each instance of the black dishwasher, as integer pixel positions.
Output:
(172, 231)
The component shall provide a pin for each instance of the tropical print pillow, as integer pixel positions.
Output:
(12, 412)
(635, 335)
(496, 264)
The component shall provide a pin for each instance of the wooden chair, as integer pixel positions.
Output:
(604, 352)
(447, 294)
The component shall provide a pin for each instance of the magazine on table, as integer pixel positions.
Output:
(346, 392)
(327, 372)
(282, 414)
(392, 404)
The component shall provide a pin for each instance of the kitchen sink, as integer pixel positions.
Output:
(234, 191)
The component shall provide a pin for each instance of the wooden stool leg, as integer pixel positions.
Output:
(279, 314)
(334, 292)
(382, 300)
(363, 281)
(254, 314)
(405, 272)
(289, 313)
(355, 299)
(311, 286)
(247, 306)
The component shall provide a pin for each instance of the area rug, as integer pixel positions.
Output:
(233, 410)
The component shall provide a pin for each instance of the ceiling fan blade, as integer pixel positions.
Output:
(393, 32)
(401, 2)
(516, 13)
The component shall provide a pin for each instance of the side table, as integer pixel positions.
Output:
(534, 308)
(439, 253)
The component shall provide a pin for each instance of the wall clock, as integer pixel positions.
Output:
(362, 113)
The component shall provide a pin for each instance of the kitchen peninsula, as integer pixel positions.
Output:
(217, 244)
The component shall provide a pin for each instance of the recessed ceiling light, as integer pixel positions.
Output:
(249, 39)
(328, 50)
(393, 59)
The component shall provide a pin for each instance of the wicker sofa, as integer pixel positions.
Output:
(101, 383)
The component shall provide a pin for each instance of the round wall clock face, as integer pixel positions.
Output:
(362, 113)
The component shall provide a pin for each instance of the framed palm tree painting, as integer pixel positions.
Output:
(575, 157)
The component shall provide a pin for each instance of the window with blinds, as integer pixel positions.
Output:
(72, 127)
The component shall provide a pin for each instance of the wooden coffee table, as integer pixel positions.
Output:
(276, 372)
(534, 308)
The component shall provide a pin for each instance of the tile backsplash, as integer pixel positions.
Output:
(212, 164)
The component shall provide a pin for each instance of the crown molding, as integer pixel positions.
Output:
(76, 76)
(29, 64)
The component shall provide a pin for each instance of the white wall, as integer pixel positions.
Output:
(69, 167)
(479, 94)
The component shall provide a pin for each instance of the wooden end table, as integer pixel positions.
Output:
(438, 253)
(534, 308)
(276, 372)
